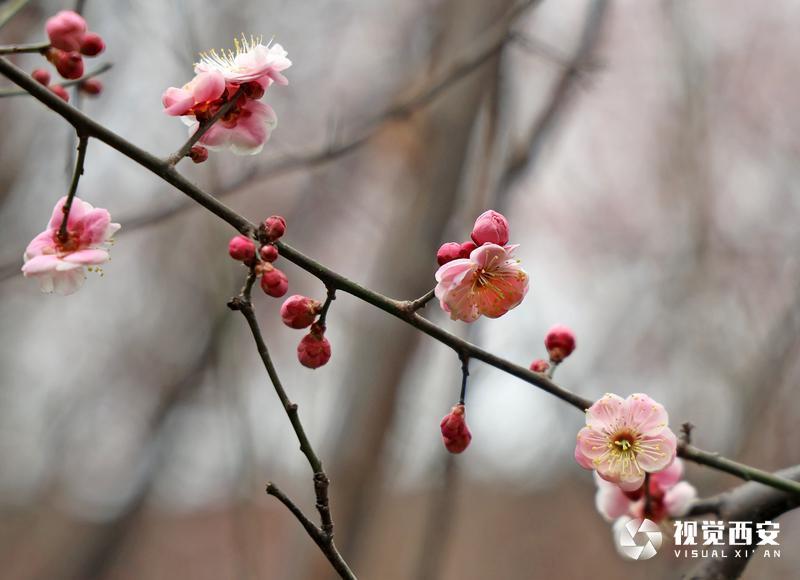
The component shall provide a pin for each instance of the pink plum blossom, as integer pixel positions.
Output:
(625, 438)
(195, 97)
(669, 496)
(490, 282)
(59, 264)
(299, 311)
(251, 61)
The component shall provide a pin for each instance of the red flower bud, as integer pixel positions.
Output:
(299, 311)
(66, 30)
(448, 252)
(275, 227)
(91, 87)
(273, 281)
(41, 76)
(60, 91)
(560, 342)
(269, 253)
(466, 249)
(199, 154)
(455, 433)
(314, 349)
(68, 64)
(92, 44)
(253, 90)
(540, 366)
(490, 227)
(242, 248)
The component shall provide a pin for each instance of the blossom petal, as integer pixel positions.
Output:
(657, 452)
(87, 257)
(678, 499)
(606, 412)
(39, 265)
(645, 415)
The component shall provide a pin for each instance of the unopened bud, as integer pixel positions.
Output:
(455, 433)
(540, 366)
(490, 227)
(466, 249)
(242, 248)
(41, 76)
(199, 154)
(275, 227)
(448, 252)
(559, 342)
(92, 44)
(299, 311)
(60, 91)
(314, 349)
(66, 30)
(269, 253)
(68, 64)
(91, 87)
(273, 281)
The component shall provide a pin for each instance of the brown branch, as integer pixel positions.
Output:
(749, 502)
(40, 47)
(83, 143)
(323, 535)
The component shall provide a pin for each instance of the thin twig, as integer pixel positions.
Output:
(202, 128)
(464, 374)
(40, 47)
(414, 305)
(323, 313)
(83, 143)
(323, 535)
(93, 73)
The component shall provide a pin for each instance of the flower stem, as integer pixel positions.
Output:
(83, 142)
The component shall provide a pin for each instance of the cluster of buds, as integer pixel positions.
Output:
(455, 433)
(491, 227)
(301, 312)
(70, 41)
(559, 342)
(243, 249)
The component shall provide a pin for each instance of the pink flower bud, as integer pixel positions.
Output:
(66, 30)
(199, 154)
(273, 281)
(560, 342)
(448, 252)
(275, 227)
(466, 249)
(299, 311)
(314, 349)
(60, 91)
(91, 87)
(242, 248)
(491, 227)
(540, 366)
(92, 44)
(269, 253)
(41, 76)
(455, 433)
(68, 64)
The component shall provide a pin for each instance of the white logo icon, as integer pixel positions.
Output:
(637, 539)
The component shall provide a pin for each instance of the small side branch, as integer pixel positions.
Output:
(740, 470)
(40, 47)
(323, 314)
(83, 142)
(464, 374)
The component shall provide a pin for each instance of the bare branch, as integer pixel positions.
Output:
(40, 47)
(83, 143)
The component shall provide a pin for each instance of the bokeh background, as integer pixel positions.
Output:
(646, 156)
